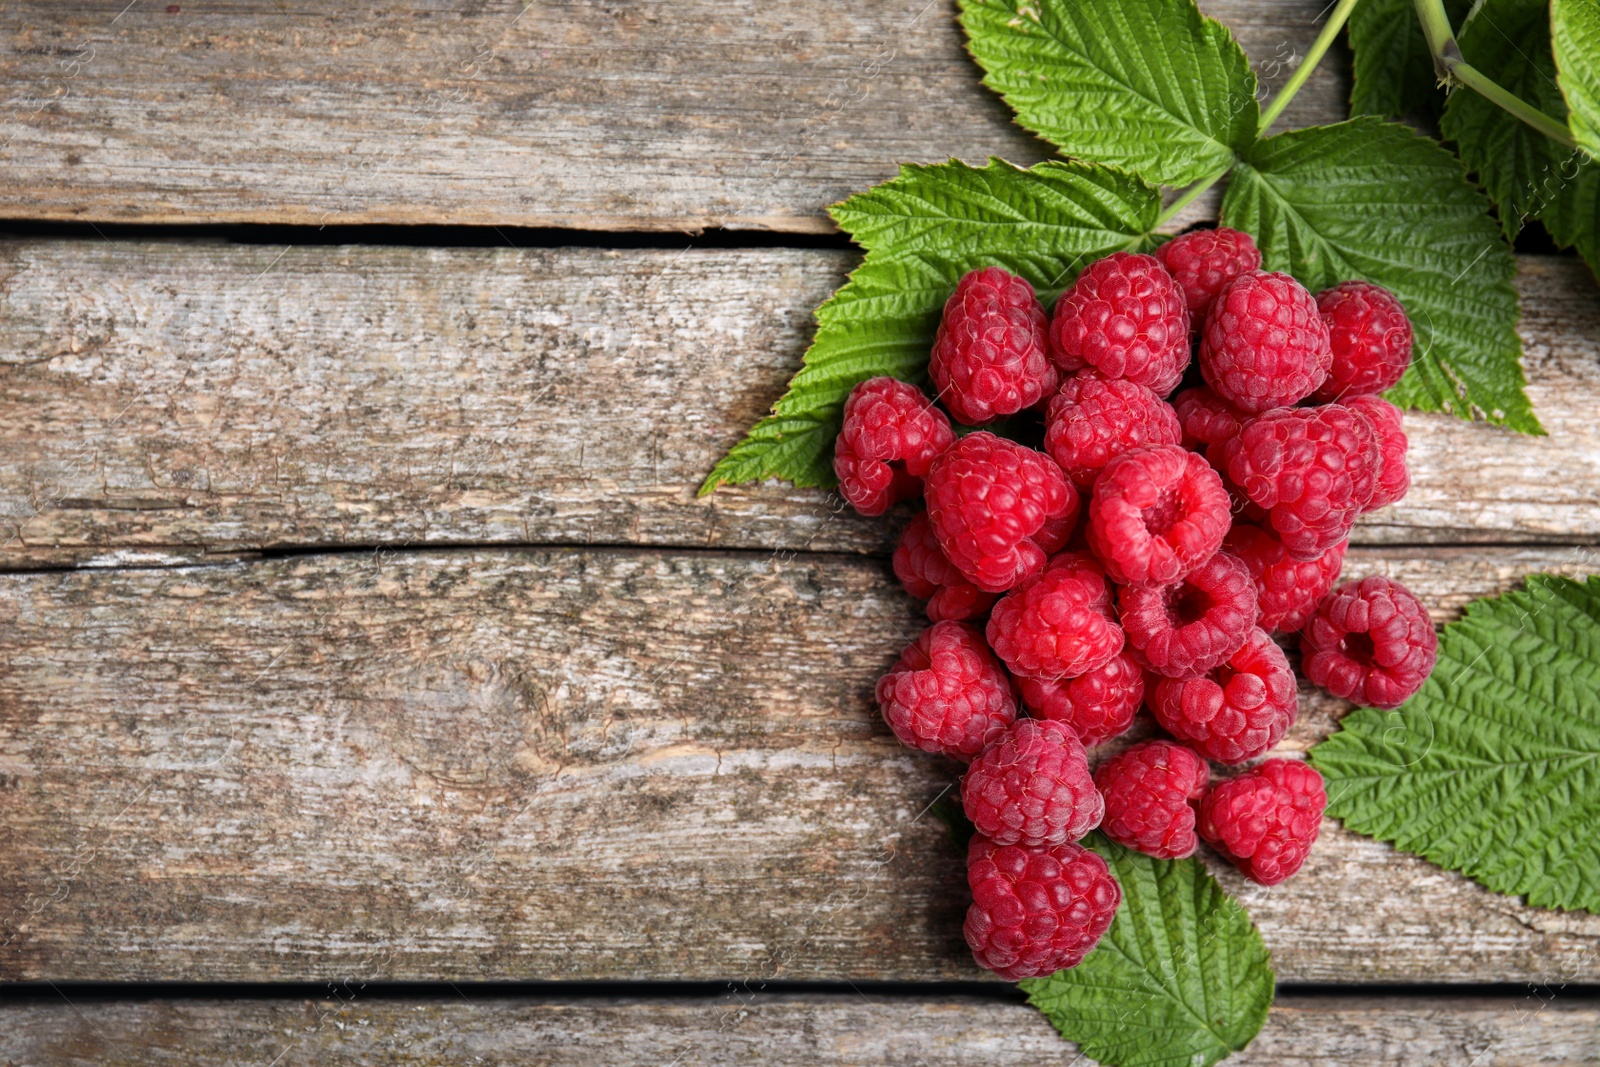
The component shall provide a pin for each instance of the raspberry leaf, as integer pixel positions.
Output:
(1575, 25)
(923, 230)
(1493, 768)
(1151, 85)
(1527, 173)
(1376, 200)
(1182, 978)
(1393, 72)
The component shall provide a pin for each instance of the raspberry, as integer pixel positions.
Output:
(1287, 589)
(947, 694)
(1150, 793)
(1266, 819)
(1206, 419)
(998, 509)
(1098, 705)
(1313, 469)
(891, 435)
(1370, 641)
(1032, 787)
(1202, 262)
(1157, 513)
(1091, 420)
(1370, 337)
(1036, 911)
(1264, 345)
(1388, 425)
(922, 568)
(989, 357)
(1237, 711)
(1057, 624)
(1192, 625)
(1125, 317)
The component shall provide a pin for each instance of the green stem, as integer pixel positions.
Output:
(1319, 48)
(1453, 67)
(1188, 195)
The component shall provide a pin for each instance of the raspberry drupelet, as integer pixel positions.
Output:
(1098, 705)
(1036, 911)
(1264, 344)
(1195, 623)
(892, 434)
(1203, 262)
(927, 574)
(947, 694)
(1092, 420)
(1157, 513)
(998, 509)
(1126, 318)
(1032, 787)
(1370, 641)
(1266, 819)
(1237, 711)
(1370, 337)
(989, 355)
(1151, 791)
(1287, 589)
(1059, 624)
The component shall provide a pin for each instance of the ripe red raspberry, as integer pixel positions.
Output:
(1058, 624)
(989, 356)
(1237, 711)
(998, 509)
(1126, 318)
(1036, 911)
(1206, 419)
(1389, 427)
(1264, 345)
(922, 568)
(1287, 589)
(1031, 787)
(1098, 705)
(1370, 641)
(947, 694)
(1313, 469)
(1370, 337)
(1194, 624)
(891, 436)
(1151, 791)
(1203, 261)
(1266, 819)
(1157, 513)
(1091, 420)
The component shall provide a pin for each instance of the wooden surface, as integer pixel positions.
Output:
(632, 115)
(179, 397)
(784, 1030)
(568, 764)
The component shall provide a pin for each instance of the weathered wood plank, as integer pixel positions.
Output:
(565, 764)
(632, 115)
(182, 396)
(756, 1027)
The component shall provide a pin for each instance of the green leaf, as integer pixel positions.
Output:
(1394, 73)
(923, 230)
(1182, 978)
(1527, 173)
(1493, 768)
(1150, 85)
(1576, 27)
(1375, 200)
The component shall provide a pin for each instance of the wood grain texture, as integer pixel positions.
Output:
(567, 764)
(781, 1030)
(626, 115)
(186, 398)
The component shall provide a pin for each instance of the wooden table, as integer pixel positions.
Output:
(359, 624)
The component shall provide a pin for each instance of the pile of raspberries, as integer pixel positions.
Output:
(1143, 554)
